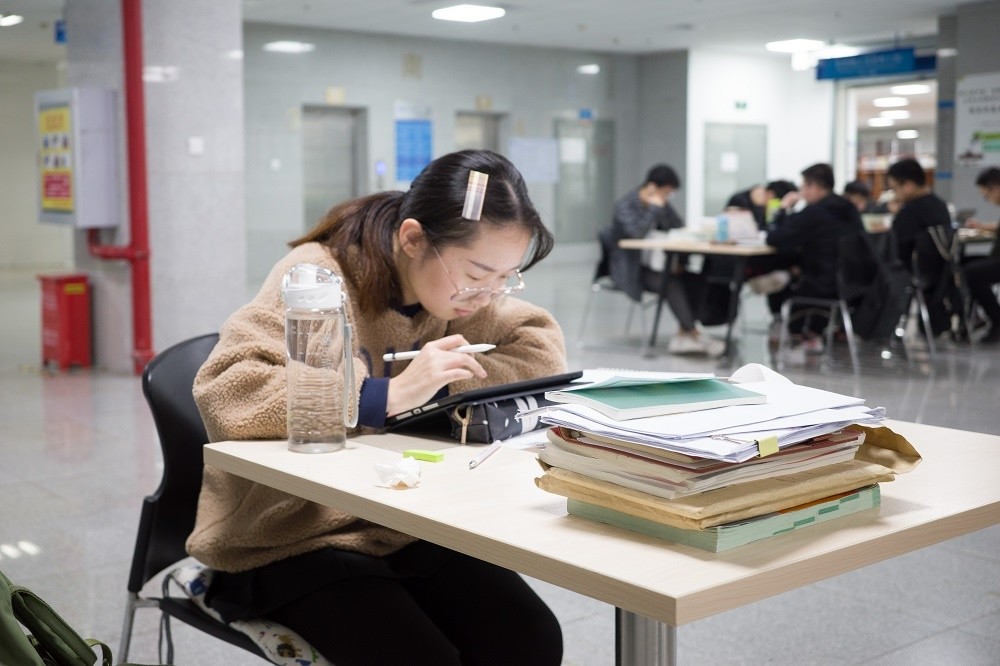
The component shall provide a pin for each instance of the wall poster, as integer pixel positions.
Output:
(55, 154)
(977, 120)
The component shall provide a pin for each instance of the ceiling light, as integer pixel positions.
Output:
(910, 89)
(10, 19)
(794, 45)
(589, 69)
(895, 114)
(907, 134)
(289, 47)
(880, 122)
(468, 13)
(888, 102)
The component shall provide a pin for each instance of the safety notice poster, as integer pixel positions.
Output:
(56, 158)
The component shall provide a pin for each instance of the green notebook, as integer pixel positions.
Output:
(731, 535)
(631, 399)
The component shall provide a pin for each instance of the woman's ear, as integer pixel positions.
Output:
(411, 237)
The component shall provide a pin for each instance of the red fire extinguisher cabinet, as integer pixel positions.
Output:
(65, 320)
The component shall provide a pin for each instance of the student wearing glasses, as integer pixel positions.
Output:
(429, 269)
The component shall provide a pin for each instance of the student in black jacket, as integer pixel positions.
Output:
(982, 273)
(923, 234)
(814, 233)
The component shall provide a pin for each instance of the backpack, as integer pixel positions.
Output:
(51, 642)
(878, 292)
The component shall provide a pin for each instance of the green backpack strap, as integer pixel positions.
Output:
(52, 640)
(15, 647)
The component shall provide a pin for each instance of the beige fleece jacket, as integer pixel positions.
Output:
(240, 391)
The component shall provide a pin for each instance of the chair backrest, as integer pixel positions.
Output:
(168, 514)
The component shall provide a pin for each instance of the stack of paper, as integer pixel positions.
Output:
(700, 469)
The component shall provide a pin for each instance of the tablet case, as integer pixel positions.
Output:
(486, 414)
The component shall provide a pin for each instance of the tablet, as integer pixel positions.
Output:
(498, 392)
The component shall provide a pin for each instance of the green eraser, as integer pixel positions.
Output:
(424, 454)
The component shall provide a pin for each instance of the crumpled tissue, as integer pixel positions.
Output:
(405, 473)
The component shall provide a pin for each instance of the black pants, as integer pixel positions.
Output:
(981, 275)
(460, 611)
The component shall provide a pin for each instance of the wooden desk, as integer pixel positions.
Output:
(685, 246)
(496, 513)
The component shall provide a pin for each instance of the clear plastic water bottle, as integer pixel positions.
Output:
(319, 359)
(722, 228)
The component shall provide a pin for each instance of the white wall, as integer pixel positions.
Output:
(24, 241)
(797, 110)
(533, 86)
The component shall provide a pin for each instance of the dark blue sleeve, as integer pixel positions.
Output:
(371, 405)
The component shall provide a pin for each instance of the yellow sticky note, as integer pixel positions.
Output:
(424, 454)
(767, 445)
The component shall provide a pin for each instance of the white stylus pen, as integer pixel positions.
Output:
(484, 454)
(465, 349)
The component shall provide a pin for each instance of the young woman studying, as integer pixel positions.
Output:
(427, 270)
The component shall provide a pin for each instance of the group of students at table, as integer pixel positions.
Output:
(805, 225)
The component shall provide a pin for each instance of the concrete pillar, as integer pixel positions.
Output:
(194, 141)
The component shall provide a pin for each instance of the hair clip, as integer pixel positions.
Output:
(475, 195)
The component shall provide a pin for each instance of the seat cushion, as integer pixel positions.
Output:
(280, 644)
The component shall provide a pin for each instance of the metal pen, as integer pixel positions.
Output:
(484, 454)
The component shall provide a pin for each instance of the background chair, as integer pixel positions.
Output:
(602, 283)
(856, 264)
(168, 514)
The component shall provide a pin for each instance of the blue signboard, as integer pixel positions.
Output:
(877, 63)
(413, 148)
(59, 31)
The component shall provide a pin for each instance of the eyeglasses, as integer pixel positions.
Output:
(468, 294)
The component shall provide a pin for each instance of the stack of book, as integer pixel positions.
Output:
(715, 463)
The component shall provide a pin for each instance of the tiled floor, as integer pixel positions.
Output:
(79, 452)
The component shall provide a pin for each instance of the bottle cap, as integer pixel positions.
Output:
(311, 287)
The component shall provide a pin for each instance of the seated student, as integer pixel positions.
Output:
(636, 213)
(753, 200)
(814, 234)
(423, 270)
(860, 195)
(923, 233)
(770, 274)
(982, 273)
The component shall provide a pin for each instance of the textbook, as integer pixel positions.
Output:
(624, 398)
(730, 535)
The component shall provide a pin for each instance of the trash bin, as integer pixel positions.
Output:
(65, 320)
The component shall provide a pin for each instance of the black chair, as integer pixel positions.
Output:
(602, 283)
(168, 514)
(838, 305)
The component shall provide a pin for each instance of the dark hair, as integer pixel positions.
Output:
(988, 177)
(857, 187)
(360, 233)
(908, 169)
(781, 187)
(663, 175)
(819, 174)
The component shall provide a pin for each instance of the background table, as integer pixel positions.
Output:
(496, 513)
(687, 246)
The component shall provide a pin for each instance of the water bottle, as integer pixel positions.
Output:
(318, 359)
(722, 228)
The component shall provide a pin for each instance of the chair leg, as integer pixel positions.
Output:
(132, 603)
(845, 314)
(786, 312)
(925, 317)
(594, 288)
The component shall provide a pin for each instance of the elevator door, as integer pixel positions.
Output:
(735, 159)
(584, 193)
(331, 158)
(477, 131)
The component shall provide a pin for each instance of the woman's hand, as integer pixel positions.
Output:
(435, 366)
(973, 223)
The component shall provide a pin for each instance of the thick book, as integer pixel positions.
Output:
(623, 398)
(731, 535)
(669, 479)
